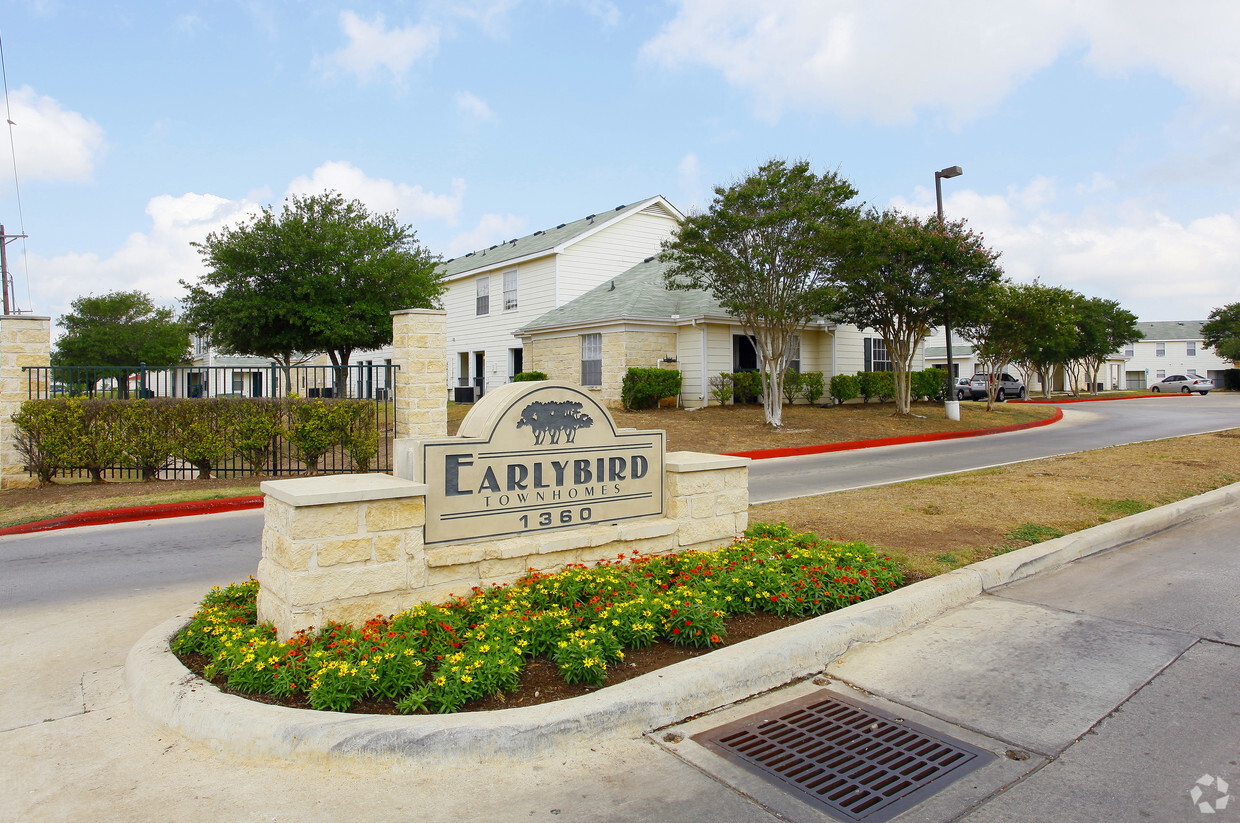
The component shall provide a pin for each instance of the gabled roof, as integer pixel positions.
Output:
(1172, 329)
(636, 294)
(548, 241)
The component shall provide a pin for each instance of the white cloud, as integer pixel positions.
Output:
(886, 60)
(604, 10)
(491, 229)
(1157, 267)
(489, 15)
(412, 202)
(372, 47)
(474, 106)
(51, 142)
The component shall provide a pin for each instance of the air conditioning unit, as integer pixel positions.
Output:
(464, 394)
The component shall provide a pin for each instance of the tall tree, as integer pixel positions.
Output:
(1222, 331)
(994, 325)
(1103, 327)
(898, 272)
(1047, 325)
(111, 335)
(765, 250)
(322, 275)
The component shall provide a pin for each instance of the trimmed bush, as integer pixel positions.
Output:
(880, 384)
(201, 437)
(748, 386)
(146, 427)
(845, 387)
(362, 440)
(644, 388)
(930, 384)
(812, 386)
(253, 426)
(528, 376)
(1231, 379)
(44, 436)
(316, 426)
(722, 388)
(792, 386)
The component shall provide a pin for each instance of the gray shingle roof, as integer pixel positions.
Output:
(1172, 329)
(636, 294)
(538, 242)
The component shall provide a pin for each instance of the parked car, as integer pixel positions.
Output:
(1009, 386)
(962, 387)
(1183, 384)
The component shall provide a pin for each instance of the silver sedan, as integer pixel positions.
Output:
(1183, 384)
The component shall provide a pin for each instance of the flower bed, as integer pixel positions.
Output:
(437, 658)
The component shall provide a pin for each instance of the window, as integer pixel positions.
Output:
(876, 356)
(238, 382)
(1160, 349)
(510, 290)
(591, 359)
(1130, 350)
(483, 305)
(1192, 348)
(1162, 374)
(794, 352)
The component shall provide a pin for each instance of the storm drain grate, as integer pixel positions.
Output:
(856, 761)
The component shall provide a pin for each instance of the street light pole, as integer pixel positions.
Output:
(951, 405)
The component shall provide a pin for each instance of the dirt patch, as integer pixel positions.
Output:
(934, 525)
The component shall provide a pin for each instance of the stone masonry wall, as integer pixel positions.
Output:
(349, 548)
(24, 341)
(419, 347)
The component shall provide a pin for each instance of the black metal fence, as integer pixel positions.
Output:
(258, 382)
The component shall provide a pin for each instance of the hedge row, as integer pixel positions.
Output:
(98, 434)
(644, 388)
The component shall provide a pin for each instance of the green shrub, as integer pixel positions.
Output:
(363, 437)
(722, 388)
(317, 426)
(148, 435)
(644, 388)
(880, 384)
(253, 425)
(929, 383)
(845, 387)
(748, 386)
(812, 386)
(43, 436)
(527, 376)
(792, 386)
(97, 437)
(1231, 379)
(201, 436)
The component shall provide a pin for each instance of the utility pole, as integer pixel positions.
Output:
(4, 267)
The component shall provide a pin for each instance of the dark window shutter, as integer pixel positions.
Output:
(869, 354)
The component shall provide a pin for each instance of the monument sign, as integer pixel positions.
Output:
(535, 456)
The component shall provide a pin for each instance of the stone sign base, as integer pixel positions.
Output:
(348, 548)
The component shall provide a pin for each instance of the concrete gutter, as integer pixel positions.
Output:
(169, 695)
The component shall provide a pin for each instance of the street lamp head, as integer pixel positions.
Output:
(950, 172)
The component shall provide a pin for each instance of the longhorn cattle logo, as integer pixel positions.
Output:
(551, 420)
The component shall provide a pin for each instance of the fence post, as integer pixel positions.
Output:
(25, 340)
(419, 351)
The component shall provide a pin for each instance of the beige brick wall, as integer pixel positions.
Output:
(24, 341)
(560, 358)
(350, 561)
(419, 348)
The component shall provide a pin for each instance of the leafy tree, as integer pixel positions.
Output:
(1047, 324)
(114, 333)
(765, 251)
(1222, 331)
(895, 275)
(1103, 328)
(322, 275)
(999, 328)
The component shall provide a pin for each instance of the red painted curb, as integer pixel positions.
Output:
(229, 504)
(763, 454)
(157, 511)
(1098, 399)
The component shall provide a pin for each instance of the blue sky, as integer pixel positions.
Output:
(1099, 139)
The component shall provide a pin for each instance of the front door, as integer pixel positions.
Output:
(480, 362)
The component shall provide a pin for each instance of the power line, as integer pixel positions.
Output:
(21, 218)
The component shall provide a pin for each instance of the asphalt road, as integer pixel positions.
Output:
(126, 559)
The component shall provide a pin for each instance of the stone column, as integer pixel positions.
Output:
(708, 497)
(25, 340)
(420, 348)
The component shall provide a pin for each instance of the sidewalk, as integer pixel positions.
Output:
(1113, 678)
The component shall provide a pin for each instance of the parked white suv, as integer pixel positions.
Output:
(1008, 387)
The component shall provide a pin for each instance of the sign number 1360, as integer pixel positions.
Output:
(566, 517)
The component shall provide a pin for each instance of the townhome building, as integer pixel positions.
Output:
(1171, 347)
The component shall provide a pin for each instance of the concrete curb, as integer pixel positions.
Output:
(155, 511)
(169, 695)
(1054, 402)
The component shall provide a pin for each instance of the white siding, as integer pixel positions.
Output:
(1175, 361)
(599, 257)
